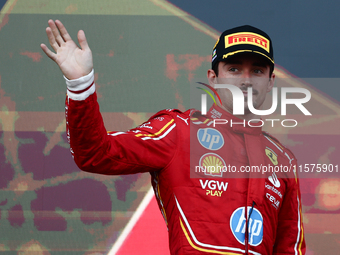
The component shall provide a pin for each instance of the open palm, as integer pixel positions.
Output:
(73, 61)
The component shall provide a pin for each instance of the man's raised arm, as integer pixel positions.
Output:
(93, 148)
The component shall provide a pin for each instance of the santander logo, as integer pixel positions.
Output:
(274, 180)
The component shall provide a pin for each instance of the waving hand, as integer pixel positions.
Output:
(73, 61)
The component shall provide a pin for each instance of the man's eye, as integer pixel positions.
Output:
(233, 69)
(258, 71)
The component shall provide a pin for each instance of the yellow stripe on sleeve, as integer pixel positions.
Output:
(160, 131)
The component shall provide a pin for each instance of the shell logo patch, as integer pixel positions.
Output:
(212, 164)
(272, 156)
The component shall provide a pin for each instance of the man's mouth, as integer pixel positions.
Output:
(245, 92)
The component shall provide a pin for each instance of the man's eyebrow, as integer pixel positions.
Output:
(260, 64)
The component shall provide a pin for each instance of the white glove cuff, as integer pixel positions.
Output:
(81, 88)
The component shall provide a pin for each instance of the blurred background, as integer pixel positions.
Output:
(146, 55)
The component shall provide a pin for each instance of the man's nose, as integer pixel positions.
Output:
(246, 78)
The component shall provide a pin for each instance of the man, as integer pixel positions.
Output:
(206, 212)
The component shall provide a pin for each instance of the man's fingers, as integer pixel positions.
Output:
(82, 40)
(47, 51)
(55, 32)
(51, 39)
(63, 32)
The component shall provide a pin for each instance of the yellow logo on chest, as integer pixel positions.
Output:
(271, 155)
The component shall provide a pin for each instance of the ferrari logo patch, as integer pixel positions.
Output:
(271, 155)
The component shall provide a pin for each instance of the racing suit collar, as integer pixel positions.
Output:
(234, 123)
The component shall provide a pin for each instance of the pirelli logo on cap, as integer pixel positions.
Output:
(247, 38)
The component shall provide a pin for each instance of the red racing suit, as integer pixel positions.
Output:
(211, 202)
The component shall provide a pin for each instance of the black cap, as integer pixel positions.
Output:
(240, 40)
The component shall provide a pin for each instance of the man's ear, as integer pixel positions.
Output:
(271, 82)
(211, 77)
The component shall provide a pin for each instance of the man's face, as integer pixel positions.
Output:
(243, 70)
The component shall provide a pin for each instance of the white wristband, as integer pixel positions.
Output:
(81, 85)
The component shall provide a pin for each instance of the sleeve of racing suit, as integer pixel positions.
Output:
(149, 147)
(290, 232)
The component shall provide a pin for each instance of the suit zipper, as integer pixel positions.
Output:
(247, 223)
